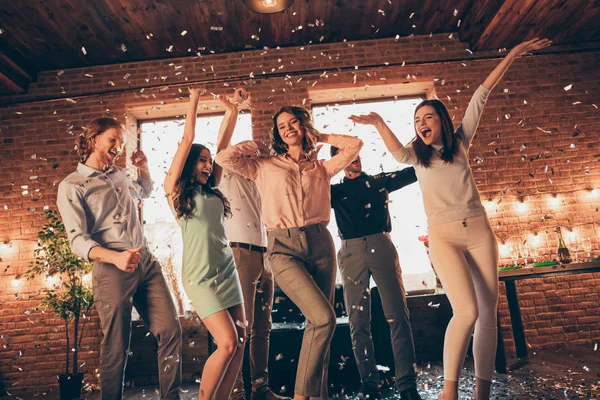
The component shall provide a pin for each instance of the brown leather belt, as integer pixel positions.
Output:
(247, 246)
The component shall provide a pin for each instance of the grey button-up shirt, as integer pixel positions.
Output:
(99, 209)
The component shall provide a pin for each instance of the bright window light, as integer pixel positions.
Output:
(159, 141)
(406, 206)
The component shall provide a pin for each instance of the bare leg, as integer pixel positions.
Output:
(222, 327)
(238, 316)
(450, 391)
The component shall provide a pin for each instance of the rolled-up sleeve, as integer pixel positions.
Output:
(240, 158)
(71, 208)
(349, 147)
(143, 187)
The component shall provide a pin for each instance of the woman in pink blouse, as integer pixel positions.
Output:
(295, 192)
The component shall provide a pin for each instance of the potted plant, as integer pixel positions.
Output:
(68, 298)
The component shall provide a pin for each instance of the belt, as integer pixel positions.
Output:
(247, 246)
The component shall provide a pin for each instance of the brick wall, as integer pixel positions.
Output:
(536, 139)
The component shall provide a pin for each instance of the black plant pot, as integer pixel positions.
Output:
(70, 386)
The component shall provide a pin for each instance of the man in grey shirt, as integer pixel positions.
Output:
(98, 205)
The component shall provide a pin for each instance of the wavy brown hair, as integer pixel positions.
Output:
(90, 131)
(277, 143)
(186, 187)
(449, 139)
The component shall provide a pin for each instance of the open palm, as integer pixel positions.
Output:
(531, 45)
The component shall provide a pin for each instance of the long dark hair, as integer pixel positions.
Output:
(183, 199)
(449, 140)
(303, 116)
(90, 131)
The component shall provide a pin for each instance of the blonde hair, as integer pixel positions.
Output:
(90, 131)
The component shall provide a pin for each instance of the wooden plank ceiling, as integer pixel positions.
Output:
(38, 35)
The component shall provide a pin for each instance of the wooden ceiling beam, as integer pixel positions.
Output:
(507, 24)
(477, 21)
(15, 74)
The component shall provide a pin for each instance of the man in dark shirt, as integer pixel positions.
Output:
(360, 205)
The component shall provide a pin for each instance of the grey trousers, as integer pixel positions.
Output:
(256, 278)
(359, 259)
(115, 292)
(303, 260)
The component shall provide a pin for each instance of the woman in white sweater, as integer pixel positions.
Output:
(463, 247)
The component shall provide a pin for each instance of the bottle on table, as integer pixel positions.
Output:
(562, 251)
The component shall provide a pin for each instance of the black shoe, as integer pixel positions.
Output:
(410, 394)
(368, 392)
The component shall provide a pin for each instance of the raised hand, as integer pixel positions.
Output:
(530, 45)
(239, 96)
(139, 159)
(196, 91)
(128, 260)
(496, 75)
(371, 118)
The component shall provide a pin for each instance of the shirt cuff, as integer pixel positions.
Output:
(146, 184)
(82, 247)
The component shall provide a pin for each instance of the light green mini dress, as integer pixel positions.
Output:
(209, 276)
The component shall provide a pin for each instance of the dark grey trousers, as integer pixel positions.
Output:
(115, 292)
(359, 259)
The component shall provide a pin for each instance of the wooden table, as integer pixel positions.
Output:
(509, 278)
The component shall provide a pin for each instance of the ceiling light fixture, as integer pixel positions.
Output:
(268, 6)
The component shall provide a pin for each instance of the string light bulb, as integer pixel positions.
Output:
(521, 205)
(489, 205)
(267, 6)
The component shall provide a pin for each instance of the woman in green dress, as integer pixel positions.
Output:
(209, 275)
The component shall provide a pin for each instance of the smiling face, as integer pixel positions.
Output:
(290, 129)
(203, 166)
(428, 125)
(107, 146)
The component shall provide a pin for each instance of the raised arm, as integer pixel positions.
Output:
(474, 110)
(349, 147)
(189, 132)
(143, 184)
(402, 154)
(241, 158)
(389, 138)
(227, 125)
(531, 45)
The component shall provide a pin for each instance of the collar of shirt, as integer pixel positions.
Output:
(307, 157)
(89, 171)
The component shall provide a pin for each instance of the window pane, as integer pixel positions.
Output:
(406, 207)
(159, 140)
